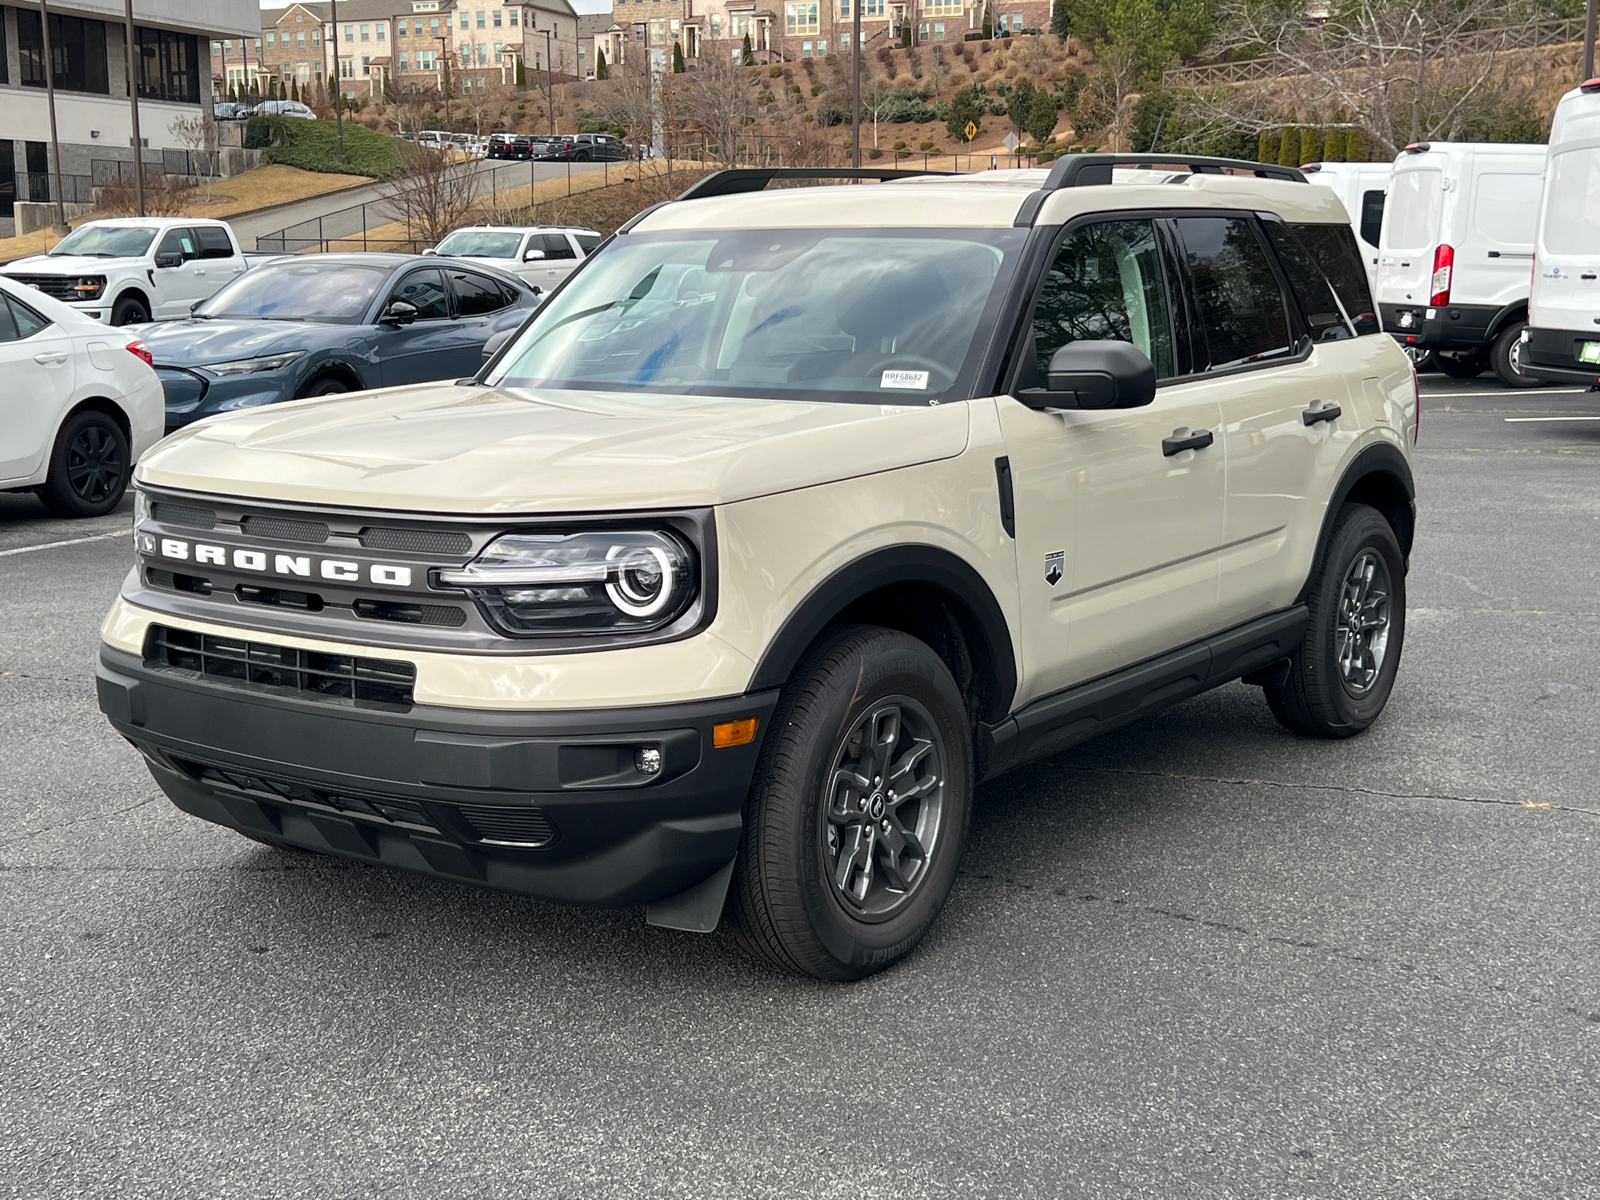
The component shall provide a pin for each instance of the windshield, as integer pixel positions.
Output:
(868, 315)
(295, 291)
(106, 241)
(1411, 216)
(478, 243)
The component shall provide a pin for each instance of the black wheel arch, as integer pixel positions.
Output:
(332, 368)
(134, 292)
(100, 404)
(1381, 477)
(1517, 310)
(925, 591)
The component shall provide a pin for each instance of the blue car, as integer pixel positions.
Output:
(312, 325)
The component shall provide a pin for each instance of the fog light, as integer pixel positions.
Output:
(647, 761)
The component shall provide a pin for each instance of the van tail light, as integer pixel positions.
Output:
(139, 350)
(1416, 410)
(1443, 259)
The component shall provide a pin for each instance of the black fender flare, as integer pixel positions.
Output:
(986, 627)
(1378, 459)
(1517, 310)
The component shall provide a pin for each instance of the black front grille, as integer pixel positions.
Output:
(393, 810)
(279, 529)
(57, 287)
(339, 678)
(173, 581)
(416, 541)
(508, 826)
(183, 514)
(441, 615)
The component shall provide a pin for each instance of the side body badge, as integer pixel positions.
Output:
(1054, 566)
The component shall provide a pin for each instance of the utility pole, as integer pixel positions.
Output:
(338, 88)
(549, 80)
(133, 107)
(444, 63)
(1588, 41)
(61, 229)
(855, 86)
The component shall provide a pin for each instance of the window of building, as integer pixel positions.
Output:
(77, 45)
(405, 60)
(316, 37)
(480, 18)
(740, 24)
(658, 31)
(258, 45)
(433, 26)
(947, 7)
(366, 33)
(349, 33)
(822, 47)
(403, 27)
(272, 41)
(513, 18)
(366, 64)
(216, 49)
(800, 18)
(300, 39)
(805, 49)
(497, 18)
(466, 19)
(383, 33)
(714, 27)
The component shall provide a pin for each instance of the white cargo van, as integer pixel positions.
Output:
(1456, 251)
(1562, 341)
(1361, 188)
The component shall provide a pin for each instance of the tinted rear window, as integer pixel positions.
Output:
(1324, 320)
(1334, 249)
(1241, 307)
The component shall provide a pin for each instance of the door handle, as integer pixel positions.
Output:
(1328, 412)
(1177, 444)
(50, 358)
(199, 270)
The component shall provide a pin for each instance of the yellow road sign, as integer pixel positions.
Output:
(972, 130)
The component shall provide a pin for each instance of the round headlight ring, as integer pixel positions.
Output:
(624, 589)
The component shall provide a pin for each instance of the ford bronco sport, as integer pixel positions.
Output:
(790, 517)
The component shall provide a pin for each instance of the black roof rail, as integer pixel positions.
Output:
(1086, 170)
(735, 180)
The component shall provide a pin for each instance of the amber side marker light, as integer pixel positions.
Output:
(733, 733)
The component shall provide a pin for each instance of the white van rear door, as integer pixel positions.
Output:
(1566, 292)
(1495, 262)
(1410, 232)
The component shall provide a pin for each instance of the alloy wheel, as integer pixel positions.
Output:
(884, 808)
(1361, 635)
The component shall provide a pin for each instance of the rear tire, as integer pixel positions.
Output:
(1340, 677)
(858, 812)
(1503, 354)
(130, 310)
(89, 466)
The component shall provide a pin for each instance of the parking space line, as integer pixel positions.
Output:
(1506, 394)
(1512, 420)
(96, 537)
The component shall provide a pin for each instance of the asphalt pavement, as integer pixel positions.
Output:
(1196, 958)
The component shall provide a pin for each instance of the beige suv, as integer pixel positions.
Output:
(789, 518)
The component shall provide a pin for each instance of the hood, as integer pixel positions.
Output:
(192, 343)
(62, 264)
(449, 449)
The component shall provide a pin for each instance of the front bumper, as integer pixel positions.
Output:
(192, 395)
(545, 804)
(1450, 327)
(1553, 354)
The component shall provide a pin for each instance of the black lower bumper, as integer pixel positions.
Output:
(1553, 354)
(1452, 327)
(553, 805)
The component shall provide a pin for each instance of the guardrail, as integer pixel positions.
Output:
(1530, 35)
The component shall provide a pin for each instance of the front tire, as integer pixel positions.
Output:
(130, 310)
(858, 813)
(89, 467)
(328, 385)
(1340, 678)
(1503, 358)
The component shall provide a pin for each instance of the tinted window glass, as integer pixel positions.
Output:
(27, 321)
(214, 242)
(1242, 318)
(299, 290)
(1106, 282)
(588, 241)
(1334, 249)
(177, 241)
(8, 327)
(476, 295)
(557, 246)
(425, 289)
(1324, 320)
(1371, 216)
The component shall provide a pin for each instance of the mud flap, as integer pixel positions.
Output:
(695, 910)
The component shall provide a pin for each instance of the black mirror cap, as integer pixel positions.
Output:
(398, 313)
(169, 260)
(1100, 374)
(497, 340)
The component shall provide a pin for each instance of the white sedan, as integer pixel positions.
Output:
(79, 403)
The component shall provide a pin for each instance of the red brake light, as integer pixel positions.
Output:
(1443, 259)
(1589, 86)
(137, 349)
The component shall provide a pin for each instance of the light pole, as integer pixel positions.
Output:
(549, 80)
(61, 229)
(1588, 41)
(133, 107)
(444, 66)
(855, 83)
(338, 88)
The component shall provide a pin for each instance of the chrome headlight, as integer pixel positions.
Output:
(628, 581)
(250, 366)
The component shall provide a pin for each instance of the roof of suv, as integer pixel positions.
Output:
(990, 199)
(148, 221)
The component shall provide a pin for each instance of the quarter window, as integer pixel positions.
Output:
(1241, 309)
(1324, 321)
(476, 295)
(1106, 283)
(1334, 249)
(28, 322)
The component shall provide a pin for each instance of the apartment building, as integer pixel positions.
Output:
(89, 75)
(291, 48)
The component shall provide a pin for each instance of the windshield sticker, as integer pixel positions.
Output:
(916, 380)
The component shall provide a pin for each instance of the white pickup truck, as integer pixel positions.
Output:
(129, 270)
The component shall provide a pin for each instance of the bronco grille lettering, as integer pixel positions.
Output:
(301, 565)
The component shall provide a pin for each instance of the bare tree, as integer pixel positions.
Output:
(1104, 100)
(1405, 70)
(937, 67)
(411, 108)
(431, 195)
(197, 135)
(719, 97)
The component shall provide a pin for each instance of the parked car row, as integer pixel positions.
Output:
(231, 110)
(574, 147)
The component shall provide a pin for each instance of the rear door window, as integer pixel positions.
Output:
(1241, 309)
(1416, 199)
(1334, 249)
(557, 246)
(214, 242)
(1572, 218)
(1106, 283)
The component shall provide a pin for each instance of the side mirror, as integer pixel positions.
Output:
(196, 305)
(430, 250)
(1096, 375)
(169, 260)
(533, 256)
(398, 313)
(497, 340)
